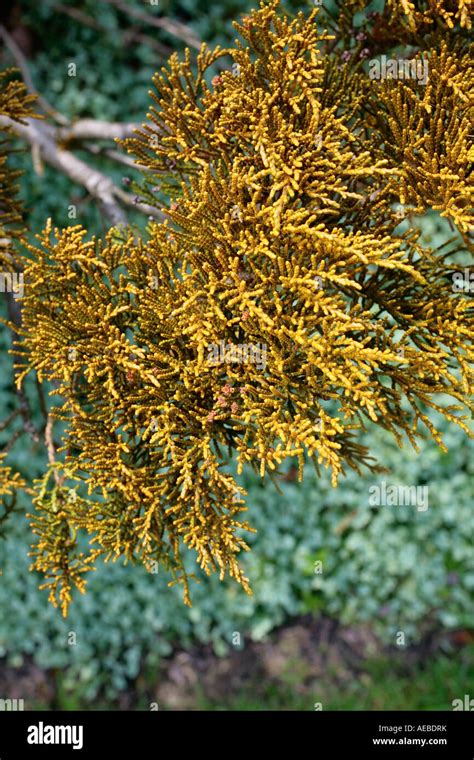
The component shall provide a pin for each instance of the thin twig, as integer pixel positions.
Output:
(134, 202)
(80, 16)
(41, 398)
(51, 449)
(129, 36)
(175, 28)
(133, 35)
(115, 155)
(13, 438)
(48, 439)
(9, 419)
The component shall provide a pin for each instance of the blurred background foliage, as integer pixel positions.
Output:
(394, 568)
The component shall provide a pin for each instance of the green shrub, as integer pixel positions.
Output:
(396, 567)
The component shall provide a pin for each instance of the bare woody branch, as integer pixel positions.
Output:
(95, 129)
(97, 184)
(44, 137)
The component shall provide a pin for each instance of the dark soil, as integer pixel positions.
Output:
(298, 655)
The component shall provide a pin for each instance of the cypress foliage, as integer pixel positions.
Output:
(281, 307)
